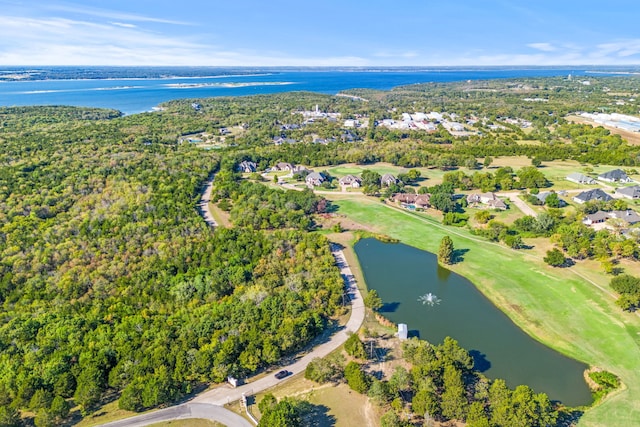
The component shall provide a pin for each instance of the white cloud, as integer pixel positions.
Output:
(110, 14)
(122, 24)
(545, 47)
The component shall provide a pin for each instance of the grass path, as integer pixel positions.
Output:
(559, 307)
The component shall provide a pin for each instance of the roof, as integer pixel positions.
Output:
(348, 179)
(388, 178)
(315, 176)
(614, 175)
(632, 192)
(597, 217)
(409, 198)
(595, 194)
(628, 216)
(578, 177)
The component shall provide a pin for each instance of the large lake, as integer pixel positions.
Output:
(402, 275)
(139, 95)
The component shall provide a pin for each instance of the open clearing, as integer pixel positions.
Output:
(556, 306)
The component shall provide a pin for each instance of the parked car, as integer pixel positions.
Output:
(280, 375)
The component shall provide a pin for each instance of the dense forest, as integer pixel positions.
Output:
(110, 281)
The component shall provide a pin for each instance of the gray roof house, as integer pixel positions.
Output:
(596, 218)
(247, 166)
(592, 195)
(616, 175)
(315, 179)
(350, 181)
(579, 178)
(488, 199)
(388, 179)
(543, 198)
(283, 166)
(629, 192)
(629, 216)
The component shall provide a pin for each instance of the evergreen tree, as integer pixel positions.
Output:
(445, 253)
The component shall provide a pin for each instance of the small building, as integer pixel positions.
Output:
(487, 199)
(596, 194)
(350, 181)
(403, 331)
(579, 178)
(616, 175)
(247, 166)
(629, 192)
(387, 180)
(412, 201)
(543, 198)
(315, 179)
(596, 218)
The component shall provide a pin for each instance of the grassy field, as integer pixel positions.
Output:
(563, 308)
(335, 405)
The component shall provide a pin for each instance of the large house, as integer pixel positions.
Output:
(350, 181)
(247, 166)
(616, 175)
(628, 216)
(488, 199)
(629, 192)
(409, 200)
(283, 166)
(592, 195)
(388, 180)
(579, 178)
(315, 179)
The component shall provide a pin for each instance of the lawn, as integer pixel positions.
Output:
(556, 306)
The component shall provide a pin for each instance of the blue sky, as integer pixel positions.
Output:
(322, 33)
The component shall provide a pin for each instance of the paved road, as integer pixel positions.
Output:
(203, 204)
(209, 404)
(185, 411)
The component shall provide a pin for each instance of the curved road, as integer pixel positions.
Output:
(209, 404)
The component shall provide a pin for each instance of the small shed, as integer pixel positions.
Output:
(403, 331)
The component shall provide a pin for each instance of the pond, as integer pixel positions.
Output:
(435, 302)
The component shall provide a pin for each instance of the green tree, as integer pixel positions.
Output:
(354, 347)
(477, 416)
(373, 300)
(555, 258)
(445, 252)
(390, 419)
(59, 409)
(552, 200)
(487, 161)
(454, 403)
(356, 378)
(9, 417)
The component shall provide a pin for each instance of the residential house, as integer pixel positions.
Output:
(488, 199)
(543, 198)
(283, 166)
(388, 180)
(596, 218)
(315, 179)
(628, 216)
(350, 181)
(579, 178)
(412, 201)
(247, 166)
(616, 175)
(299, 169)
(592, 195)
(629, 192)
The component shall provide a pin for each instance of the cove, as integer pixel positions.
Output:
(403, 276)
